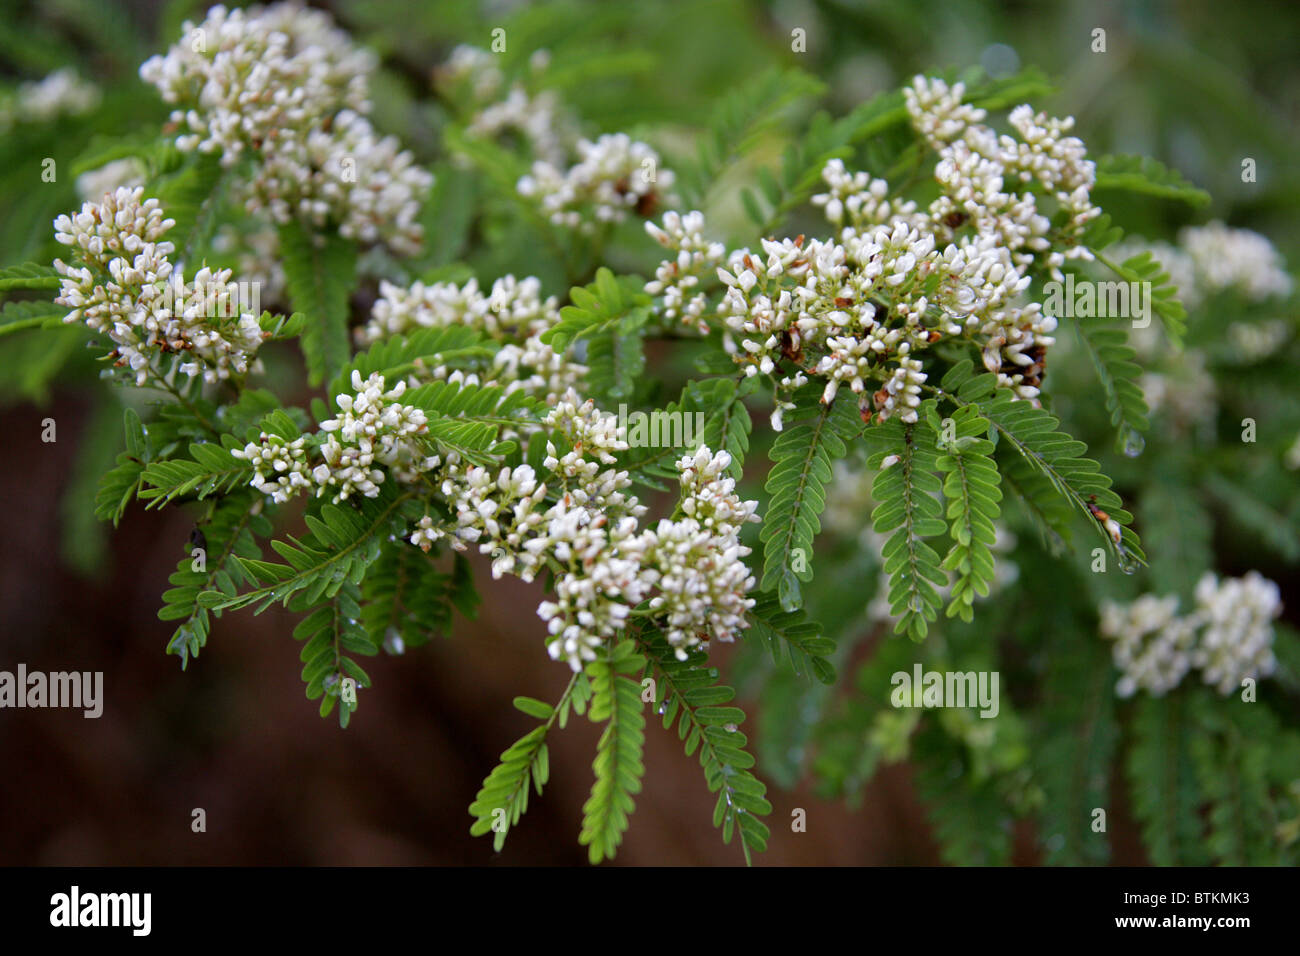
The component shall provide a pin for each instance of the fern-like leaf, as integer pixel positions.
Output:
(973, 489)
(1162, 781)
(907, 495)
(616, 701)
(320, 271)
(29, 275)
(687, 693)
(1032, 432)
(1143, 174)
(332, 631)
(230, 533)
(815, 434)
(1112, 357)
(598, 307)
(804, 642)
(342, 543)
(211, 469)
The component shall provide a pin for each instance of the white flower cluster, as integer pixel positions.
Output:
(61, 93)
(1154, 648)
(94, 185)
(1224, 258)
(696, 258)
(1237, 640)
(1214, 258)
(613, 175)
(689, 569)
(539, 117)
(373, 428)
(122, 284)
(513, 313)
(283, 84)
(897, 279)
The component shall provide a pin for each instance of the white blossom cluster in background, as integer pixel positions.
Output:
(690, 569)
(1215, 258)
(283, 85)
(62, 93)
(373, 428)
(1228, 636)
(540, 118)
(614, 176)
(896, 279)
(256, 252)
(513, 313)
(121, 283)
(1207, 260)
(94, 185)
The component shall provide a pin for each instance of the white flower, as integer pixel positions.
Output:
(1154, 647)
(121, 283)
(282, 84)
(614, 175)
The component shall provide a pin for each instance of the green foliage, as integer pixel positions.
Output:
(404, 594)
(970, 821)
(1032, 433)
(806, 647)
(971, 487)
(687, 693)
(1113, 359)
(29, 275)
(1077, 734)
(603, 304)
(229, 534)
(740, 120)
(813, 436)
(320, 271)
(210, 470)
(1164, 296)
(342, 543)
(616, 702)
(908, 496)
(1143, 174)
(1162, 779)
(331, 632)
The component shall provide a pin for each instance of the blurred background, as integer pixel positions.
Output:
(1196, 84)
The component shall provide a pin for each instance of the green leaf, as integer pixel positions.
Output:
(616, 699)
(1112, 358)
(907, 495)
(814, 435)
(1142, 174)
(320, 272)
(1162, 781)
(688, 695)
(804, 642)
(29, 275)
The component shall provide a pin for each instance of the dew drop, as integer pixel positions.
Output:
(729, 728)
(1127, 563)
(1133, 443)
